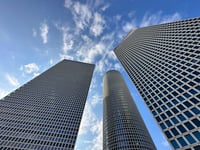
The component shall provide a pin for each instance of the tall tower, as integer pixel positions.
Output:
(46, 112)
(163, 61)
(123, 127)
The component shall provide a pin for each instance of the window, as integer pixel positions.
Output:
(168, 123)
(187, 104)
(195, 110)
(196, 122)
(189, 125)
(197, 135)
(175, 121)
(188, 114)
(174, 143)
(190, 139)
(174, 131)
(181, 128)
(182, 141)
(168, 134)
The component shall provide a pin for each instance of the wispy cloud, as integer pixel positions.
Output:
(97, 25)
(31, 68)
(158, 18)
(128, 27)
(3, 93)
(81, 13)
(12, 80)
(44, 29)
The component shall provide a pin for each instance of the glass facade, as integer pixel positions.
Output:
(123, 127)
(163, 61)
(45, 113)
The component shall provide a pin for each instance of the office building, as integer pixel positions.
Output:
(123, 127)
(163, 61)
(46, 112)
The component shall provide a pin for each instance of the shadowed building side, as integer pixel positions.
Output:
(46, 112)
(123, 127)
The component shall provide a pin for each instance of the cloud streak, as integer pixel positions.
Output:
(12, 80)
(44, 29)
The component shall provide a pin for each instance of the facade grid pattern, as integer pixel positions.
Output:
(45, 113)
(163, 61)
(123, 127)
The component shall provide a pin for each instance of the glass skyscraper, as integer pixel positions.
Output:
(123, 127)
(163, 62)
(46, 112)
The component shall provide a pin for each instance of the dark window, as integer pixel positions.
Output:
(175, 110)
(169, 104)
(187, 104)
(181, 117)
(189, 125)
(175, 101)
(168, 134)
(181, 107)
(192, 91)
(186, 87)
(175, 121)
(163, 126)
(174, 131)
(180, 90)
(169, 113)
(194, 100)
(196, 122)
(168, 123)
(163, 116)
(195, 110)
(188, 114)
(180, 98)
(197, 135)
(186, 95)
(181, 128)
(174, 143)
(158, 119)
(198, 88)
(197, 147)
(190, 139)
(164, 107)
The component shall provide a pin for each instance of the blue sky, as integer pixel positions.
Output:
(35, 35)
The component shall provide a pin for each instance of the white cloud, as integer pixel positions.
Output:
(96, 99)
(97, 25)
(106, 6)
(34, 32)
(67, 42)
(128, 27)
(98, 130)
(68, 3)
(12, 80)
(158, 18)
(3, 93)
(30, 68)
(51, 61)
(66, 56)
(81, 15)
(88, 120)
(44, 29)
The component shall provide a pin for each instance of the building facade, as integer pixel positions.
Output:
(46, 112)
(163, 61)
(123, 127)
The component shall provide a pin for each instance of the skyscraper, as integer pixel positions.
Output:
(46, 112)
(163, 61)
(123, 127)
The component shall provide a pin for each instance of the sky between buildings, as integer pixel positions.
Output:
(35, 35)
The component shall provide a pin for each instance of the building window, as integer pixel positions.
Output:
(174, 143)
(182, 141)
(190, 139)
